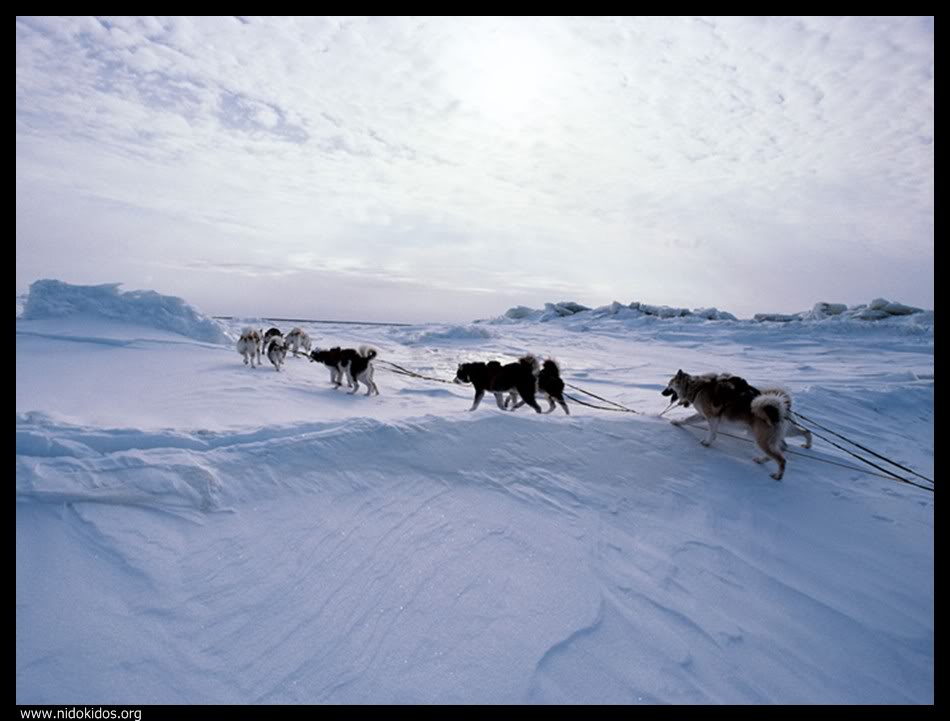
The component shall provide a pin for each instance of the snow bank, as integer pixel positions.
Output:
(879, 309)
(56, 299)
(442, 334)
(631, 311)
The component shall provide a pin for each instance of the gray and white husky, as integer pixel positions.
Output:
(718, 397)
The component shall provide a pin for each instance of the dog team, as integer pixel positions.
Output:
(715, 397)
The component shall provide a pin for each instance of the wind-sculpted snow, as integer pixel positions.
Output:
(56, 299)
(835, 313)
(191, 530)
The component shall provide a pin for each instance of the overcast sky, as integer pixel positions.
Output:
(449, 168)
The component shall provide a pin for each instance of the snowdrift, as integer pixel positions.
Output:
(55, 299)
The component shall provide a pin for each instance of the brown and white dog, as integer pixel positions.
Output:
(718, 397)
(249, 346)
(297, 339)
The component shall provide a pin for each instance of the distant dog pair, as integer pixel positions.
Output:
(253, 342)
(522, 381)
(718, 397)
(357, 364)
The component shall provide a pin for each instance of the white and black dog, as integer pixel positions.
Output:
(270, 335)
(357, 364)
(516, 378)
(549, 385)
(718, 397)
(296, 340)
(249, 346)
(276, 352)
(332, 358)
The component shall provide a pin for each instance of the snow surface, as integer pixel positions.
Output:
(191, 530)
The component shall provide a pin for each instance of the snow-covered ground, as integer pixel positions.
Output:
(191, 530)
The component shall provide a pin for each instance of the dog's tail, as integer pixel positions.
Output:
(367, 352)
(551, 367)
(772, 405)
(531, 362)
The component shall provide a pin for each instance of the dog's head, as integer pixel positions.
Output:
(464, 373)
(327, 356)
(676, 388)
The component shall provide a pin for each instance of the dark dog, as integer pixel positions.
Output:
(520, 378)
(332, 358)
(270, 335)
(359, 367)
(549, 385)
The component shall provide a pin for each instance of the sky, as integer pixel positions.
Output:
(446, 169)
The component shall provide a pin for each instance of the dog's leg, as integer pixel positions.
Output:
(501, 401)
(479, 394)
(367, 379)
(765, 439)
(563, 405)
(778, 458)
(527, 393)
(713, 430)
(795, 430)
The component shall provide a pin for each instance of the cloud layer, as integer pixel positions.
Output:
(467, 165)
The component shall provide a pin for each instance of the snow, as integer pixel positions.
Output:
(190, 530)
(878, 309)
(55, 299)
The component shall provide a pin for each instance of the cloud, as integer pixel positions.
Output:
(539, 155)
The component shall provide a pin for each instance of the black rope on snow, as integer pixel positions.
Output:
(887, 474)
(791, 451)
(406, 372)
(605, 400)
(395, 368)
(600, 408)
(863, 448)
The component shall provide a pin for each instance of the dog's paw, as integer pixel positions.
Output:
(706, 443)
(777, 476)
(677, 423)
